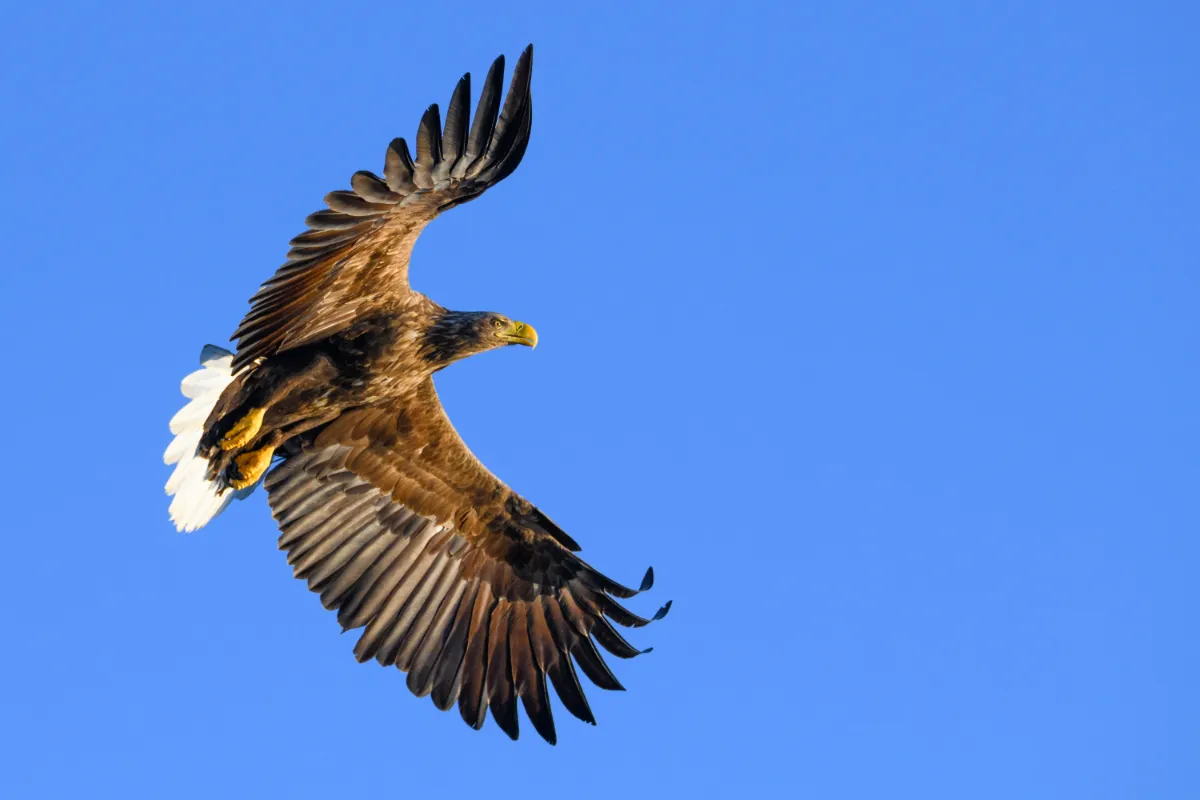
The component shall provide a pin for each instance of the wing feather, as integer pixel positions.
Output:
(501, 698)
(454, 137)
(529, 680)
(453, 578)
(398, 168)
(352, 261)
(422, 611)
(485, 119)
(472, 704)
(429, 147)
(447, 672)
(350, 203)
(430, 632)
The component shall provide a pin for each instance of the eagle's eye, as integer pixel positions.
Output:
(497, 323)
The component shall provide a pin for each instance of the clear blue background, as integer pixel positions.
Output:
(871, 325)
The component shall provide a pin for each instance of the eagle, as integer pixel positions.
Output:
(328, 402)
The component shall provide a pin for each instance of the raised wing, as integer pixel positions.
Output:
(354, 256)
(458, 581)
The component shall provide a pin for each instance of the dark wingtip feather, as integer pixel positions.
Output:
(662, 612)
(612, 641)
(429, 136)
(398, 167)
(506, 720)
(433, 114)
(485, 116)
(647, 581)
(510, 134)
(594, 666)
(508, 164)
(566, 685)
(620, 590)
(372, 188)
(536, 701)
(558, 534)
(454, 137)
(330, 221)
(525, 60)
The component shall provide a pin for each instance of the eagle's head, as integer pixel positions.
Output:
(457, 334)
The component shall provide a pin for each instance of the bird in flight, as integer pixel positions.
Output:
(329, 404)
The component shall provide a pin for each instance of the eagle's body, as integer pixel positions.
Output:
(382, 358)
(458, 580)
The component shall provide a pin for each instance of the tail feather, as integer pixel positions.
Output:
(197, 499)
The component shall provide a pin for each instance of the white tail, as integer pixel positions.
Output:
(196, 498)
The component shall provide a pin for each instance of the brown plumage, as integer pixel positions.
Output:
(384, 511)
(352, 262)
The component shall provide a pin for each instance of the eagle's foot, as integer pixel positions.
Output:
(247, 468)
(244, 430)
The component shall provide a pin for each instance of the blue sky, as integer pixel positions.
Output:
(871, 326)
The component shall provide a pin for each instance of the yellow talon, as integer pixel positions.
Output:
(244, 430)
(251, 466)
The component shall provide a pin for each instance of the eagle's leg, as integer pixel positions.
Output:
(249, 466)
(244, 430)
(270, 397)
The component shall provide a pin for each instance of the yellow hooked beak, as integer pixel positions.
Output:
(519, 333)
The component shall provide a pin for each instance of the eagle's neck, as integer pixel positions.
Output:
(452, 336)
